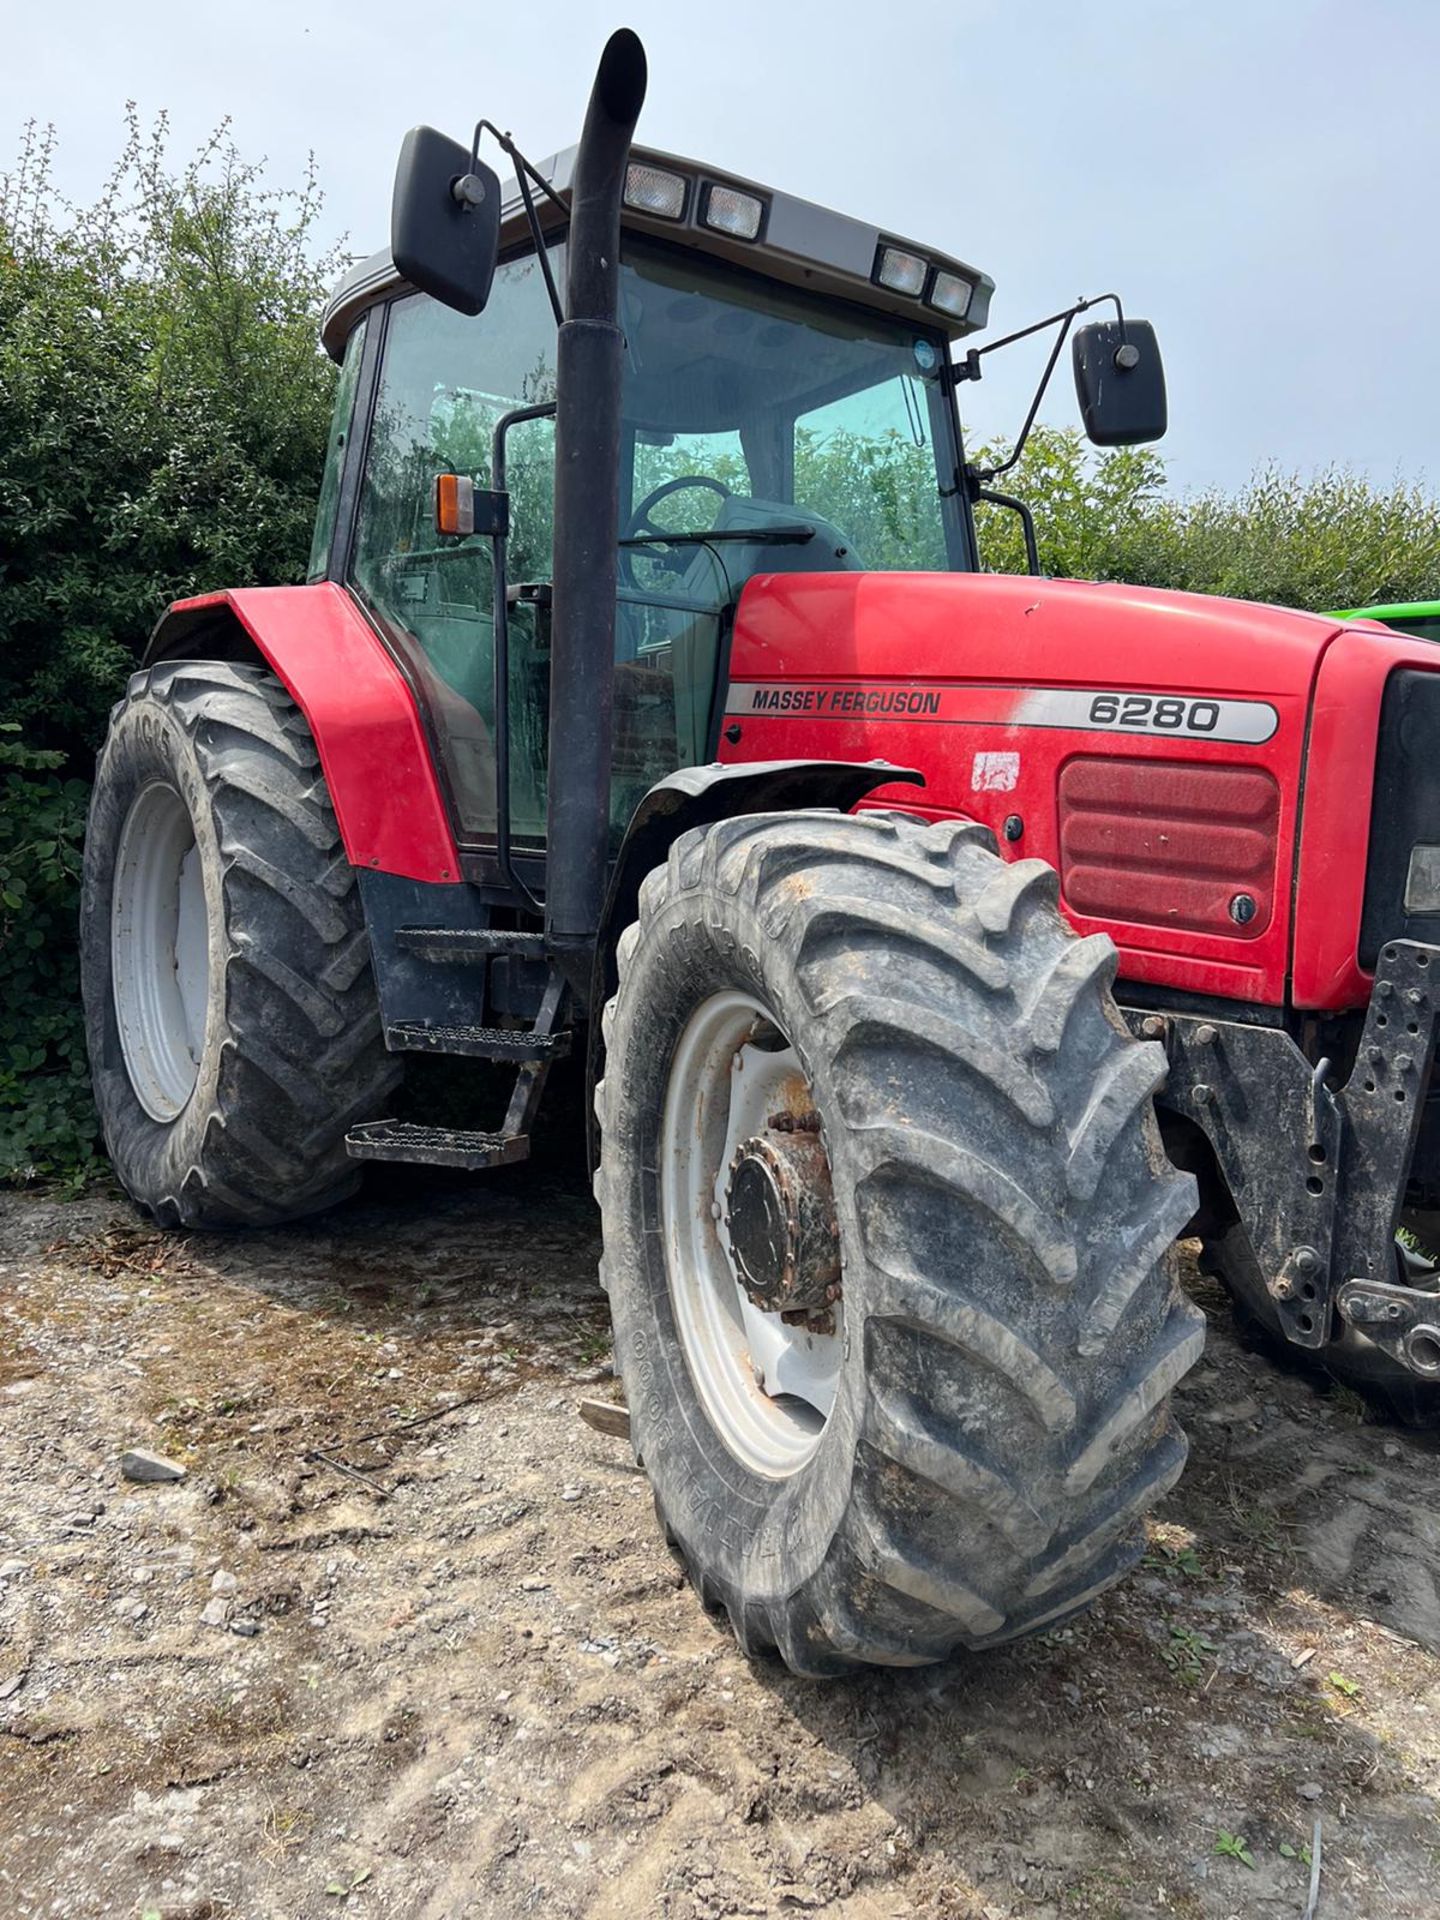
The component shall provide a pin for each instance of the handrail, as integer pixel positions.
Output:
(545, 410)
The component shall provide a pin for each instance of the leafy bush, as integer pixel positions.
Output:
(163, 413)
(1332, 540)
(47, 1123)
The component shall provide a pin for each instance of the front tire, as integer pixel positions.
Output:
(1008, 1325)
(230, 1010)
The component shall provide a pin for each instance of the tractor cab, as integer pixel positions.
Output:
(1418, 617)
(786, 406)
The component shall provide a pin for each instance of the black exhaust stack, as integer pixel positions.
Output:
(587, 517)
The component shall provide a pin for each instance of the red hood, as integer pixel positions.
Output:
(1000, 627)
(1015, 697)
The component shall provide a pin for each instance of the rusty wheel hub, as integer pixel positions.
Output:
(780, 1214)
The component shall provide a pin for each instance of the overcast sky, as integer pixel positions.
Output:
(1258, 177)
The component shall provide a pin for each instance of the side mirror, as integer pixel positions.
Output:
(1120, 382)
(445, 220)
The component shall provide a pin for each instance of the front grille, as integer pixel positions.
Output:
(1168, 843)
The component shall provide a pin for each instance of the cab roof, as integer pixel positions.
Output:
(800, 243)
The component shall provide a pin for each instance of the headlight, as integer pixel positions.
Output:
(901, 272)
(728, 210)
(653, 190)
(951, 294)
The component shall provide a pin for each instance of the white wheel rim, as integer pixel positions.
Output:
(160, 951)
(767, 1385)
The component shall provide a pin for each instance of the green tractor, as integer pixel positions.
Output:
(1420, 617)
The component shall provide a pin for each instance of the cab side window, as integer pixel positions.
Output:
(340, 427)
(446, 381)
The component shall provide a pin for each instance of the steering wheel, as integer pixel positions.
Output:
(641, 523)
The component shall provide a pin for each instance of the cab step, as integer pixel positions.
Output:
(459, 945)
(482, 1043)
(435, 1146)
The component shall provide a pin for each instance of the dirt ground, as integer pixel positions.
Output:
(465, 1678)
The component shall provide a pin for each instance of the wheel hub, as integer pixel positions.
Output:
(780, 1215)
(761, 1324)
(159, 950)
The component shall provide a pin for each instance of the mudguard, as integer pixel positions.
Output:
(697, 797)
(371, 740)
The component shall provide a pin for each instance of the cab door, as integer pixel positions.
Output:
(444, 381)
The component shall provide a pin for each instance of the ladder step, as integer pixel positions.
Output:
(435, 1146)
(484, 1043)
(458, 944)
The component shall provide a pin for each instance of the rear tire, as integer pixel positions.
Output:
(1012, 1326)
(225, 1103)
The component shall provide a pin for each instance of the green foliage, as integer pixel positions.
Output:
(1186, 1653)
(879, 489)
(163, 409)
(163, 413)
(47, 1124)
(1333, 540)
(1233, 1846)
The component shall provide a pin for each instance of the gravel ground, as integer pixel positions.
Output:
(354, 1665)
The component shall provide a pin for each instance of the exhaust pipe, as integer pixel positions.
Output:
(587, 517)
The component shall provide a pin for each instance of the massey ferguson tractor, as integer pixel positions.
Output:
(941, 945)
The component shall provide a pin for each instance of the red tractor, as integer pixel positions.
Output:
(647, 695)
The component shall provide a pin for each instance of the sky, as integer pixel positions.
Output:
(1257, 177)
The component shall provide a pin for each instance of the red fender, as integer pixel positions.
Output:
(367, 727)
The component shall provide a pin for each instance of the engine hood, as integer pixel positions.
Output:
(1149, 745)
(999, 628)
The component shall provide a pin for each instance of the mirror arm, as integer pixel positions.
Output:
(542, 252)
(507, 145)
(969, 368)
(993, 473)
(524, 174)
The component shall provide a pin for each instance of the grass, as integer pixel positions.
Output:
(1187, 1653)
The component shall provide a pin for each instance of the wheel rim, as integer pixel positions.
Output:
(766, 1383)
(159, 951)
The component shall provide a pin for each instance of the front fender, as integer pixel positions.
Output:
(367, 728)
(698, 797)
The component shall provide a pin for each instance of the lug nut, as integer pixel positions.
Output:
(1205, 1036)
(1306, 1260)
(1152, 1028)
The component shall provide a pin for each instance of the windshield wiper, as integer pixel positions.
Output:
(754, 536)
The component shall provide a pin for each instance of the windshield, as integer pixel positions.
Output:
(786, 413)
(1424, 626)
